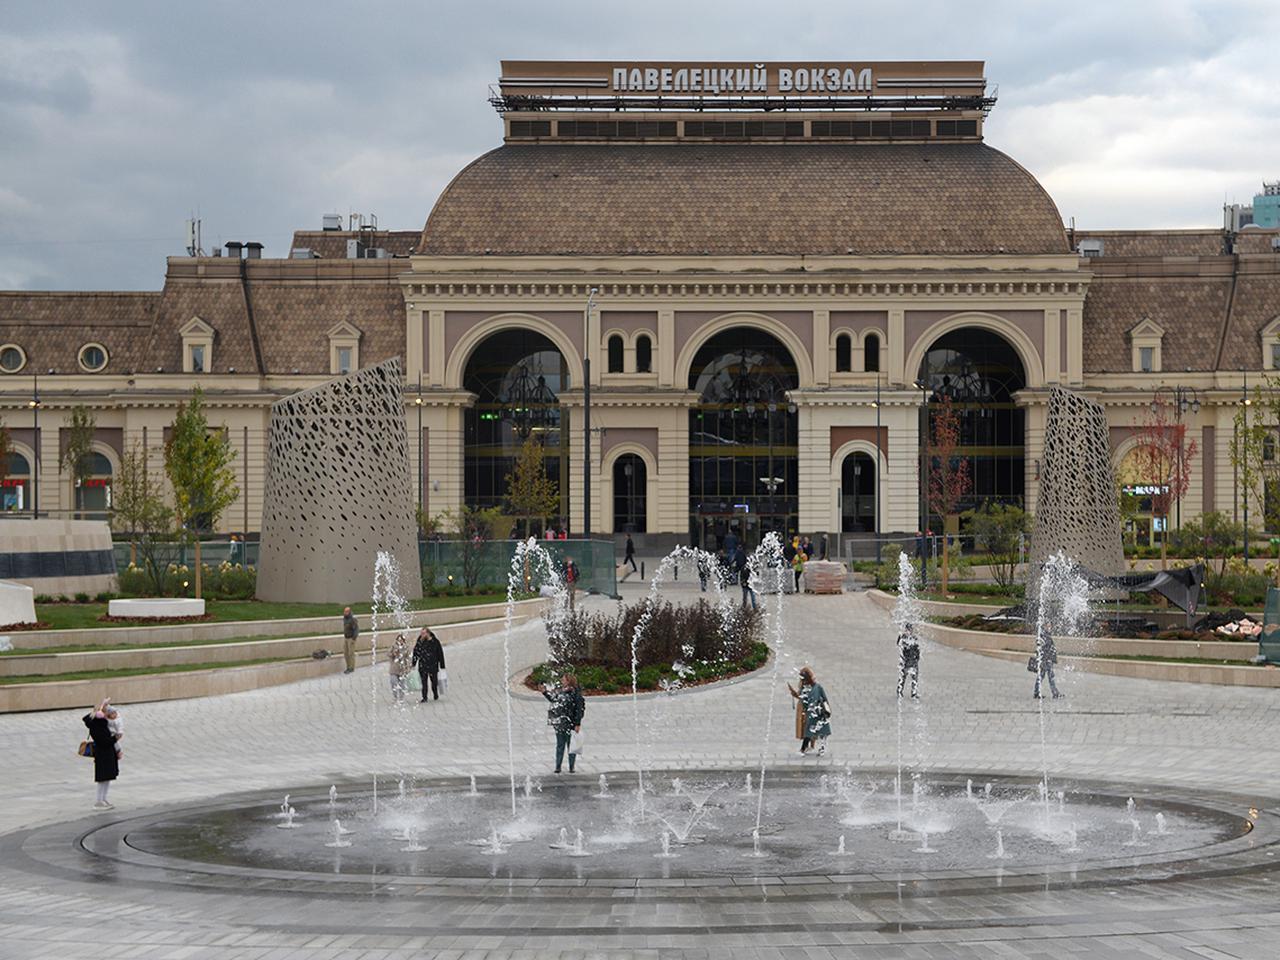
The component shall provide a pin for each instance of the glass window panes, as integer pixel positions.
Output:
(615, 354)
(93, 357)
(644, 354)
(197, 358)
(871, 353)
(1146, 359)
(844, 353)
(11, 359)
(1275, 357)
(344, 359)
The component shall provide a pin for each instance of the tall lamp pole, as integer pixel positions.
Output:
(418, 403)
(876, 404)
(923, 386)
(34, 403)
(1183, 399)
(586, 414)
(1246, 403)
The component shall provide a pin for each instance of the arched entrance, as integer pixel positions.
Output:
(517, 376)
(94, 491)
(858, 493)
(980, 371)
(743, 439)
(630, 494)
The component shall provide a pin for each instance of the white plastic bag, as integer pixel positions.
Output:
(443, 680)
(576, 743)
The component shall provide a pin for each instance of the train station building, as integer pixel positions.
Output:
(769, 269)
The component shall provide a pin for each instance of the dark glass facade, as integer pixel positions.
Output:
(517, 376)
(743, 439)
(979, 371)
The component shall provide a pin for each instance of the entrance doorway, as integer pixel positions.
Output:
(858, 494)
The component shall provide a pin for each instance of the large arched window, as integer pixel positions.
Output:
(858, 493)
(17, 479)
(743, 439)
(95, 489)
(844, 353)
(871, 353)
(644, 353)
(980, 371)
(630, 494)
(517, 377)
(615, 354)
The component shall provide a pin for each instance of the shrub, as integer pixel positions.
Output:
(692, 633)
(82, 598)
(104, 597)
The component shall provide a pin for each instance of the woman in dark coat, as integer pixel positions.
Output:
(565, 715)
(813, 714)
(105, 765)
(428, 657)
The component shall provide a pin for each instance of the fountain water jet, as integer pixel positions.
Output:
(339, 832)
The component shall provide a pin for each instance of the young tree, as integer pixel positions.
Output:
(949, 479)
(198, 463)
(1163, 457)
(6, 451)
(140, 510)
(77, 456)
(1000, 529)
(473, 527)
(531, 494)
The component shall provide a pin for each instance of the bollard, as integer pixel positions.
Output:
(641, 569)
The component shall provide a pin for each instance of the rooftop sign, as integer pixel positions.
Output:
(795, 78)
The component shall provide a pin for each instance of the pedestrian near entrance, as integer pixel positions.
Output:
(350, 630)
(813, 712)
(565, 716)
(571, 579)
(106, 765)
(1042, 661)
(909, 660)
(797, 567)
(743, 572)
(398, 667)
(428, 657)
(630, 556)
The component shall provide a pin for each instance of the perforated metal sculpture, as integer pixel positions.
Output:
(1077, 511)
(339, 489)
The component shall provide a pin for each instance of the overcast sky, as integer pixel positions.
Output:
(118, 121)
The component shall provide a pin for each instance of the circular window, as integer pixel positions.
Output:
(93, 357)
(12, 358)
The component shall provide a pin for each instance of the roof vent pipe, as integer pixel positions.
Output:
(233, 248)
(253, 250)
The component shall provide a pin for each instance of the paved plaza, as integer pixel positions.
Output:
(58, 900)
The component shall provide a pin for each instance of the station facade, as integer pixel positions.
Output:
(770, 270)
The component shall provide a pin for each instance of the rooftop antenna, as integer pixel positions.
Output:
(193, 237)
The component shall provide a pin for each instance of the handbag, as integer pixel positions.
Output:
(826, 709)
(576, 743)
(1031, 663)
(443, 680)
(85, 749)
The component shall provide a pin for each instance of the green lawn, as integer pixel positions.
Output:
(81, 616)
(101, 648)
(138, 671)
(1147, 659)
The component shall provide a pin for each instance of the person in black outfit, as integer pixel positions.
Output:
(631, 554)
(744, 576)
(105, 765)
(428, 657)
(909, 660)
(565, 715)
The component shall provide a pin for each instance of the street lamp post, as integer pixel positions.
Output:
(586, 413)
(1183, 399)
(418, 403)
(923, 386)
(876, 404)
(34, 403)
(1246, 403)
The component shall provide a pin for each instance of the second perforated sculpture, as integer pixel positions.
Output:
(1077, 510)
(338, 490)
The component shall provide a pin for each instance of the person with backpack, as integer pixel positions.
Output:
(568, 707)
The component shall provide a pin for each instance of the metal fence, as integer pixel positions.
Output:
(444, 559)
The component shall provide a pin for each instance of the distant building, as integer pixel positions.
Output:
(1266, 206)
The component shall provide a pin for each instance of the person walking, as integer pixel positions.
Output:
(630, 556)
(909, 660)
(743, 572)
(350, 630)
(428, 657)
(1041, 663)
(813, 712)
(398, 667)
(106, 765)
(571, 579)
(565, 714)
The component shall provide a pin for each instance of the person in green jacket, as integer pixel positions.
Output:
(565, 715)
(813, 712)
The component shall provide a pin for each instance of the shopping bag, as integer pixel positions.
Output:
(576, 743)
(415, 680)
(443, 680)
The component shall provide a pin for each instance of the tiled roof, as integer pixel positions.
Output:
(743, 199)
(218, 302)
(1256, 304)
(1191, 310)
(1156, 243)
(52, 327)
(332, 244)
(293, 320)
